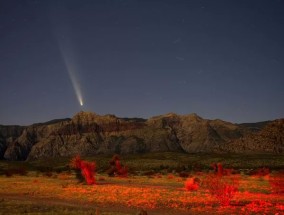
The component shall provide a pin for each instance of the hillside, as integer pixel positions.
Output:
(90, 134)
(270, 139)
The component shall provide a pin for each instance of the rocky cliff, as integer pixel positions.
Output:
(89, 134)
(269, 139)
(8, 134)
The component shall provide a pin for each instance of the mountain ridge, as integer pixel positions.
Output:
(88, 133)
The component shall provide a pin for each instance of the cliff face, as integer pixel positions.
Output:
(8, 134)
(270, 139)
(193, 134)
(90, 134)
(20, 148)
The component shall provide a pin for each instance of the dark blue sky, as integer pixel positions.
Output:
(140, 58)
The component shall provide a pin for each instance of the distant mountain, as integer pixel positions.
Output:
(257, 126)
(90, 134)
(8, 134)
(52, 122)
(269, 139)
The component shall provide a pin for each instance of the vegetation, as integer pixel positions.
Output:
(60, 194)
(158, 162)
(160, 183)
(86, 168)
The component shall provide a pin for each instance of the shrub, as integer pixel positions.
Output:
(170, 176)
(220, 170)
(192, 184)
(123, 171)
(277, 182)
(260, 172)
(75, 163)
(222, 188)
(116, 168)
(86, 168)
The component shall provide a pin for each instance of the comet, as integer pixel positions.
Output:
(63, 34)
(75, 83)
(69, 60)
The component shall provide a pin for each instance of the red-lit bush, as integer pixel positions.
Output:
(223, 188)
(170, 176)
(192, 184)
(277, 182)
(75, 162)
(264, 171)
(87, 169)
(220, 170)
(116, 168)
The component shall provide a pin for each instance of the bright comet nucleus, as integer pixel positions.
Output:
(74, 80)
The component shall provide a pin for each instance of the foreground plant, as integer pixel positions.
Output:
(223, 188)
(116, 168)
(192, 184)
(86, 168)
(277, 183)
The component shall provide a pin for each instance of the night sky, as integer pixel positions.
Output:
(141, 58)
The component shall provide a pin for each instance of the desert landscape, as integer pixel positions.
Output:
(159, 183)
(70, 166)
(141, 107)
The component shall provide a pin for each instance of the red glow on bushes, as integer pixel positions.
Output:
(170, 176)
(221, 184)
(116, 168)
(117, 164)
(220, 170)
(75, 163)
(87, 168)
(222, 188)
(192, 184)
(277, 182)
(260, 172)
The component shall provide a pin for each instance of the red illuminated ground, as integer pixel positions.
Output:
(158, 194)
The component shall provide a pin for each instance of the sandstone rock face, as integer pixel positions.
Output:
(194, 134)
(21, 146)
(7, 135)
(270, 139)
(90, 134)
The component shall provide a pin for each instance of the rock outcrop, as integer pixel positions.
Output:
(8, 134)
(90, 134)
(270, 139)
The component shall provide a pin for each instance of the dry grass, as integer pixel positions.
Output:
(61, 194)
(49, 188)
